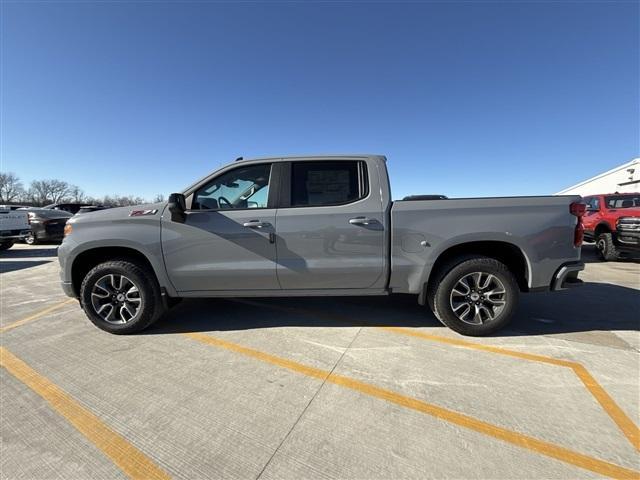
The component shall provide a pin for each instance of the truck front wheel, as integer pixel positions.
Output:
(6, 245)
(121, 296)
(606, 247)
(476, 296)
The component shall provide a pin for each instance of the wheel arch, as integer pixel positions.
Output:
(508, 253)
(602, 227)
(88, 259)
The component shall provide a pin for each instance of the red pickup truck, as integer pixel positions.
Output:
(613, 222)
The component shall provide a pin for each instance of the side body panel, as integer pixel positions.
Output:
(114, 228)
(541, 227)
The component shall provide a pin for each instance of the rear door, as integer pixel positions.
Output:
(330, 230)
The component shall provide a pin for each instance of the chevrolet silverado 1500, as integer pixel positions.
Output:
(310, 226)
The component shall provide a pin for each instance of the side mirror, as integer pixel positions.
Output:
(177, 206)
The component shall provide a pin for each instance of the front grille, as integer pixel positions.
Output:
(629, 224)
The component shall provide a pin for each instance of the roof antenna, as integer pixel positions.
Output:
(238, 159)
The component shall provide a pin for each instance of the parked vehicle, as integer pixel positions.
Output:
(613, 222)
(90, 208)
(14, 226)
(319, 226)
(67, 207)
(13, 207)
(46, 225)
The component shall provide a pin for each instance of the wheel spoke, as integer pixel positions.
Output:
(465, 312)
(125, 308)
(478, 298)
(495, 302)
(115, 298)
(106, 311)
(487, 311)
(477, 317)
(488, 281)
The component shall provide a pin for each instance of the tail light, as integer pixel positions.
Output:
(578, 209)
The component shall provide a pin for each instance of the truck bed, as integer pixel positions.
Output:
(541, 227)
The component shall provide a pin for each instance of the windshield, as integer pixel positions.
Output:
(623, 201)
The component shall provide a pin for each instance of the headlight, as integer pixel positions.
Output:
(629, 224)
(68, 228)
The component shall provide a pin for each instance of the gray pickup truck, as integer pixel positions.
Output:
(319, 226)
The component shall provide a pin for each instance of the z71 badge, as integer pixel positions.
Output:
(140, 213)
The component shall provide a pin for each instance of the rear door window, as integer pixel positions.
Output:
(327, 183)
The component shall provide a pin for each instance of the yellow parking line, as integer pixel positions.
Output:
(580, 460)
(131, 460)
(37, 315)
(622, 420)
(630, 429)
(626, 425)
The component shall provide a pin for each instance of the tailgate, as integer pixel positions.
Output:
(13, 220)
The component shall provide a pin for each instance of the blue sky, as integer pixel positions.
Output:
(464, 98)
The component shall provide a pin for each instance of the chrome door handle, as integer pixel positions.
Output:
(361, 221)
(255, 224)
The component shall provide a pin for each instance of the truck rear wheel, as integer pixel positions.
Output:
(606, 247)
(475, 296)
(121, 297)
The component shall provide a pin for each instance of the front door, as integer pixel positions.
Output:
(227, 242)
(592, 215)
(330, 227)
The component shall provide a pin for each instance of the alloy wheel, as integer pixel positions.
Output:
(478, 298)
(116, 298)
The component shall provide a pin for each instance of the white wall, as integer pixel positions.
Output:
(609, 182)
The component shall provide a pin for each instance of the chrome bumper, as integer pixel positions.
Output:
(567, 276)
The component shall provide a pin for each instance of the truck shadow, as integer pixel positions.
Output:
(593, 307)
(31, 252)
(6, 267)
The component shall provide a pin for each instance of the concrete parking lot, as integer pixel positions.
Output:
(320, 388)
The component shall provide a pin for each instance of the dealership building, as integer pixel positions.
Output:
(622, 179)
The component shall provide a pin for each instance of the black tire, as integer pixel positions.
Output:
(606, 247)
(31, 239)
(5, 246)
(150, 308)
(439, 295)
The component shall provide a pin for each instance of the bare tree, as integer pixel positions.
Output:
(43, 192)
(39, 192)
(77, 194)
(59, 190)
(10, 187)
(158, 198)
